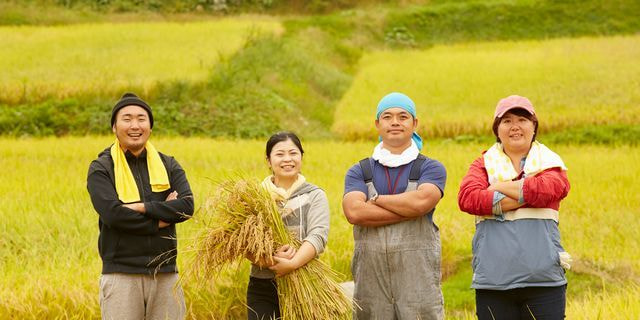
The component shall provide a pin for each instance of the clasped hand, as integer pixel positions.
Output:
(281, 263)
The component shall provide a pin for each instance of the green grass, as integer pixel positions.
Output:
(573, 83)
(49, 264)
(57, 62)
(472, 20)
(73, 11)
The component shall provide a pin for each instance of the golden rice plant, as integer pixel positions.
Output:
(571, 82)
(241, 220)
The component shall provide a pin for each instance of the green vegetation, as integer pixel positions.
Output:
(29, 12)
(462, 21)
(50, 262)
(270, 85)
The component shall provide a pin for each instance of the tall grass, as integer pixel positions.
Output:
(571, 82)
(105, 59)
(49, 263)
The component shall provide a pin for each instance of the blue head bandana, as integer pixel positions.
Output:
(399, 100)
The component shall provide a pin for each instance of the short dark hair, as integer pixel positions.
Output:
(521, 113)
(283, 136)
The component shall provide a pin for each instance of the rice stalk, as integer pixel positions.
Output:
(241, 220)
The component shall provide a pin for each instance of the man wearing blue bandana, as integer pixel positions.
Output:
(390, 199)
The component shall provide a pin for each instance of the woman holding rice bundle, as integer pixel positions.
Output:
(514, 189)
(305, 213)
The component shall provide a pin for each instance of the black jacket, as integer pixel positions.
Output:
(131, 242)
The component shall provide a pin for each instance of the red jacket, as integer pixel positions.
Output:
(544, 190)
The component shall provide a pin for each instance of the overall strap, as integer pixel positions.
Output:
(415, 168)
(365, 164)
(414, 177)
(367, 173)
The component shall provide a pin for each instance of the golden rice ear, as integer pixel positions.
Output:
(243, 221)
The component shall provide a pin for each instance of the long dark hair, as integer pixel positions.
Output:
(521, 113)
(283, 136)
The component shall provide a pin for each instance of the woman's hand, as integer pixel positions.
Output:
(262, 262)
(283, 258)
(283, 266)
(300, 257)
(286, 251)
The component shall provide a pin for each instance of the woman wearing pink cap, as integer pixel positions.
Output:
(514, 190)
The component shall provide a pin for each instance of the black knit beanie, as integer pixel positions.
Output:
(128, 99)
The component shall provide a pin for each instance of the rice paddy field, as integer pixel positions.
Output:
(40, 62)
(49, 263)
(571, 82)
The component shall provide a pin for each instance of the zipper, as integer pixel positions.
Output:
(141, 186)
(139, 178)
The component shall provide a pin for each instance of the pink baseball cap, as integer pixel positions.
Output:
(512, 102)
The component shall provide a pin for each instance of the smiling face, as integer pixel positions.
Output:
(396, 126)
(285, 160)
(515, 131)
(132, 128)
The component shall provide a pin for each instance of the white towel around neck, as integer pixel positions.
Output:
(388, 159)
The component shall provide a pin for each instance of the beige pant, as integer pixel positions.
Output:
(138, 296)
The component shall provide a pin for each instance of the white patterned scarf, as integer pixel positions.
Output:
(500, 168)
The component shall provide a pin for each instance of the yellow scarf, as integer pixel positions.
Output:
(125, 183)
(539, 158)
(280, 194)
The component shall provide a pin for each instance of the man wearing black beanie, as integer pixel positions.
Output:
(130, 99)
(139, 195)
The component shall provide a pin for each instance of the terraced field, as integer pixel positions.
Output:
(571, 82)
(40, 62)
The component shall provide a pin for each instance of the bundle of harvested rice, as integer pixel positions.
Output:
(241, 220)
